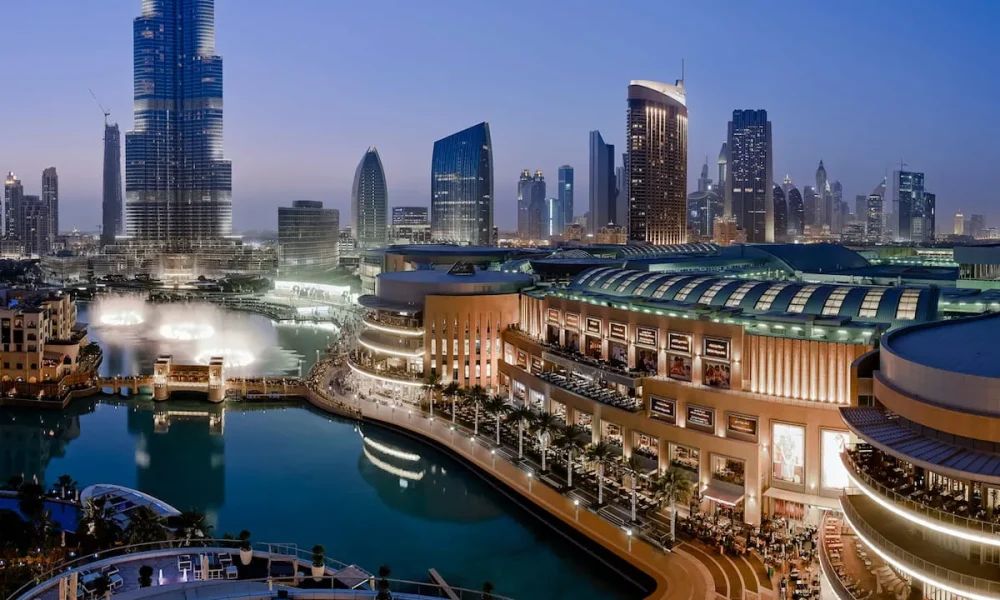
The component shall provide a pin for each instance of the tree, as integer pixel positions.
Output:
(318, 552)
(524, 417)
(545, 426)
(569, 442)
(496, 406)
(487, 590)
(673, 486)
(383, 583)
(452, 391)
(98, 529)
(632, 467)
(67, 486)
(31, 500)
(145, 576)
(433, 385)
(144, 526)
(192, 524)
(476, 396)
(599, 455)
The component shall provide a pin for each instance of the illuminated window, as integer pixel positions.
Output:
(666, 284)
(798, 303)
(631, 279)
(835, 301)
(613, 279)
(739, 294)
(711, 292)
(869, 306)
(689, 287)
(907, 307)
(593, 273)
(767, 298)
(648, 282)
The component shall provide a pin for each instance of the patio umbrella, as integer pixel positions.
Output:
(204, 567)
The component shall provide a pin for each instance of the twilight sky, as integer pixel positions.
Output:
(310, 84)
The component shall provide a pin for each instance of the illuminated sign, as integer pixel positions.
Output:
(701, 417)
(536, 365)
(573, 320)
(593, 325)
(646, 336)
(618, 331)
(741, 427)
(716, 348)
(522, 359)
(553, 315)
(663, 409)
(679, 342)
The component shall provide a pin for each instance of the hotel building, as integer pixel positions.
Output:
(40, 340)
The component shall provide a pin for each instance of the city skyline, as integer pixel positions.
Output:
(59, 125)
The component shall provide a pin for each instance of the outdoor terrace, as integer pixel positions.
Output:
(591, 390)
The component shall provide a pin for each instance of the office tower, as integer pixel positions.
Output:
(462, 187)
(554, 220)
(860, 207)
(959, 223)
(621, 193)
(977, 226)
(13, 195)
(178, 184)
(532, 209)
(410, 225)
(723, 163)
(908, 202)
(369, 201)
(837, 212)
(780, 214)
(32, 226)
(928, 218)
(50, 197)
(809, 206)
(308, 237)
(409, 215)
(874, 226)
(749, 189)
(603, 188)
(656, 134)
(704, 182)
(703, 208)
(565, 194)
(821, 214)
(111, 199)
(796, 210)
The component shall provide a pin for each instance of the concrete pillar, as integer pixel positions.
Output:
(663, 460)
(595, 424)
(626, 442)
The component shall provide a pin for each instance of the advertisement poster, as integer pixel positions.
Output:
(716, 348)
(573, 341)
(593, 325)
(645, 360)
(789, 457)
(679, 343)
(834, 474)
(619, 331)
(536, 365)
(663, 409)
(572, 320)
(679, 367)
(717, 375)
(522, 359)
(701, 417)
(553, 315)
(618, 354)
(646, 336)
(741, 427)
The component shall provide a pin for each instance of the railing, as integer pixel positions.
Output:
(831, 574)
(915, 506)
(624, 402)
(935, 574)
(138, 551)
(401, 376)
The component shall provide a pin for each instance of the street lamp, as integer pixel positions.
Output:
(531, 478)
(493, 454)
(576, 509)
(628, 534)
(452, 433)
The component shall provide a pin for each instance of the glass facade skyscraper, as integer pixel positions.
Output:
(370, 202)
(308, 236)
(462, 187)
(565, 196)
(178, 185)
(111, 203)
(749, 188)
(603, 187)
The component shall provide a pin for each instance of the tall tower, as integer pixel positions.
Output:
(370, 202)
(656, 133)
(178, 184)
(820, 215)
(603, 188)
(111, 203)
(723, 163)
(749, 190)
(13, 196)
(50, 198)
(462, 187)
(908, 200)
(565, 196)
(532, 208)
(796, 209)
(780, 214)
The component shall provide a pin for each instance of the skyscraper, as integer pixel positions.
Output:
(532, 207)
(704, 182)
(462, 187)
(780, 214)
(860, 207)
(308, 236)
(369, 202)
(111, 203)
(977, 226)
(31, 226)
(837, 210)
(50, 198)
(908, 201)
(13, 195)
(959, 223)
(749, 188)
(621, 193)
(796, 210)
(809, 201)
(723, 163)
(553, 222)
(565, 195)
(875, 222)
(178, 185)
(656, 133)
(821, 214)
(603, 190)
(928, 218)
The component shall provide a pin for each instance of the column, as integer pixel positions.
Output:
(595, 424)
(627, 442)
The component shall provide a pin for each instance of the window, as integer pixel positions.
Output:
(739, 294)
(798, 303)
(869, 306)
(767, 299)
(907, 307)
(613, 279)
(834, 301)
(593, 273)
(685, 291)
(648, 282)
(711, 292)
(665, 285)
(630, 279)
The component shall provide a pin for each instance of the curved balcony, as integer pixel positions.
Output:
(386, 375)
(376, 343)
(898, 544)
(393, 329)
(922, 514)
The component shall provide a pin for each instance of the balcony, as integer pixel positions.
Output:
(397, 376)
(593, 391)
(401, 347)
(899, 544)
(931, 509)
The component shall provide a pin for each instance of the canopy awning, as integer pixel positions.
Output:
(810, 499)
(722, 494)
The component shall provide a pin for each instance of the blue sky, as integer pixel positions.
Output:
(310, 84)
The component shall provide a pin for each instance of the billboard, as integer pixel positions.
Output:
(646, 336)
(679, 343)
(679, 367)
(716, 348)
(716, 375)
(833, 474)
(701, 417)
(663, 409)
(788, 457)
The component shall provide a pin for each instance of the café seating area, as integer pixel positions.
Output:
(591, 390)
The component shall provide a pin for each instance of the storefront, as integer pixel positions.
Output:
(611, 433)
(688, 459)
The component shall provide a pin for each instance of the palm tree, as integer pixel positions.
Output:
(452, 390)
(98, 528)
(67, 486)
(600, 455)
(496, 406)
(632, 467)
(569, 442)
(191, 524)
(31, 500)
(524, 417)
(673, 486)
(545, 426)
(383, 583)
(144, 526)
(476, 396)
(433, 384)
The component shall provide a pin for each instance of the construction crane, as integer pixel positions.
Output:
(107, 113)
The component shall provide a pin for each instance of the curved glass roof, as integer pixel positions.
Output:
(655, 249)
(862, 302)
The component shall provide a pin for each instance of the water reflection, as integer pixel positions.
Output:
(29, 440)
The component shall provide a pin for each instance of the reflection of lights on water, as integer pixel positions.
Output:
(231, 357)
(391, 451)
(125, 318)
(186, 332)
(403, 473)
